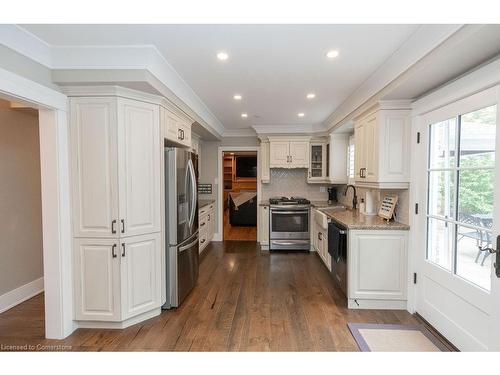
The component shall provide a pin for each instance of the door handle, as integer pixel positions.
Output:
(113, 229)
(123, 249)
(123, 225)
(113, 252)
(190, 245)
(496, 265)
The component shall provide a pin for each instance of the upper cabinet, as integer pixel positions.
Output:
(286, 153)
(338, 158)
(382, 147)
(115, 170)
(176, 126)
(318, 160)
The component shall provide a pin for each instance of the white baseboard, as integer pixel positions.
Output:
(217, 237)
(21, 294)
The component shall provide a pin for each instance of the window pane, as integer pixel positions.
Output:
(440, 242)
(442, 193)
(316, 161)
(475, 203)
(443, 144)
(472, 264)
(477, 138)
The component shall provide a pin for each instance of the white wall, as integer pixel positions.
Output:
(20, 200)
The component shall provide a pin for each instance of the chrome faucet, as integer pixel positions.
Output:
(355, 198)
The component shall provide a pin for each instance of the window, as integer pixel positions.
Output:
(460, 194)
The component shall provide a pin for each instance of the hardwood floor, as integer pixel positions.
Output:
(245, 300)
(238, 233)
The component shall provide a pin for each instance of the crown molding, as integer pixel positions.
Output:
(245, 132)
(423, 41)
(25, 43)
(305, 129)
(146, 57)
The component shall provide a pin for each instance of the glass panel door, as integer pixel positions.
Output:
(317, 161)
(460, 195)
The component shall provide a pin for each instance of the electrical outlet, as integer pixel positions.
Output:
(322, 189)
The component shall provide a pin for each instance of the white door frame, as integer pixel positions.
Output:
(473, 84)
(220, 186)
(55, 187)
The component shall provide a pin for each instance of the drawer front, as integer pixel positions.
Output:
(203, 240)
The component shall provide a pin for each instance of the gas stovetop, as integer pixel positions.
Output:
(288, 201)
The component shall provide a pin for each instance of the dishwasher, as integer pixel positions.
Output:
(337, 248)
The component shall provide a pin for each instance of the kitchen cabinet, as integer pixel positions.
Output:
(177, 126)
(377, 268)
(116, 279)
(195, 144)
(264, 227)
(318, 171)
(338, 158)
(265, 172)
(206, 225)
(319, 237)
(286, 153)
(115, 167)
(382, 147)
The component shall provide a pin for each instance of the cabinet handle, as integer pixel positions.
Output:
(202, 241)
(123, 225)
(179, 134)
(208, 217)
(202, 224)
(113, 230)
(113, 252)
(319, 236)
(123, 249)
(182, 134)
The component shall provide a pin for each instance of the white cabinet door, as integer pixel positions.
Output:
(359, 151)
(377, 264)
(371, 148)
(94, 167)
(265, 172)
(279, 154)
(96, 279)
(170, 123)
(299, 154)
(211, 224)
(264, 225)
(139, 156)
(140, 270)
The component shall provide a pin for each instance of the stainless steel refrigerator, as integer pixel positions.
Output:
(181, 199)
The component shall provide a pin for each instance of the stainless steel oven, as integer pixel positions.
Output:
(289, 227)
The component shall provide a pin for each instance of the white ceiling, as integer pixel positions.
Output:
(272, 66)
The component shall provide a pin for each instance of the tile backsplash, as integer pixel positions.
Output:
(292, 182)
(402, 208)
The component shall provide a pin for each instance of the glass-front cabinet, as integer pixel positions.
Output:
(318, 165)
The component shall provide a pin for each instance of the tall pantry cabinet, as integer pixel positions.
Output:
(115, 172)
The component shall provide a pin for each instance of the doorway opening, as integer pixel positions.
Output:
(240, 201)
(21, 248)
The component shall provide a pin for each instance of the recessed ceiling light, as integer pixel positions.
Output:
(237, 97)
(244, 115)
(311, 95)
(222, 56)
(332, 54)
(301, 114)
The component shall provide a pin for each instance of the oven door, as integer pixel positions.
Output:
(289, 224)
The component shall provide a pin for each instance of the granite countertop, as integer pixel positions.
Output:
(204, 202)
(353, 219)
(325, 204)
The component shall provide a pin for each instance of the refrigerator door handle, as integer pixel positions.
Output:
(194, 197)
(189, 245)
